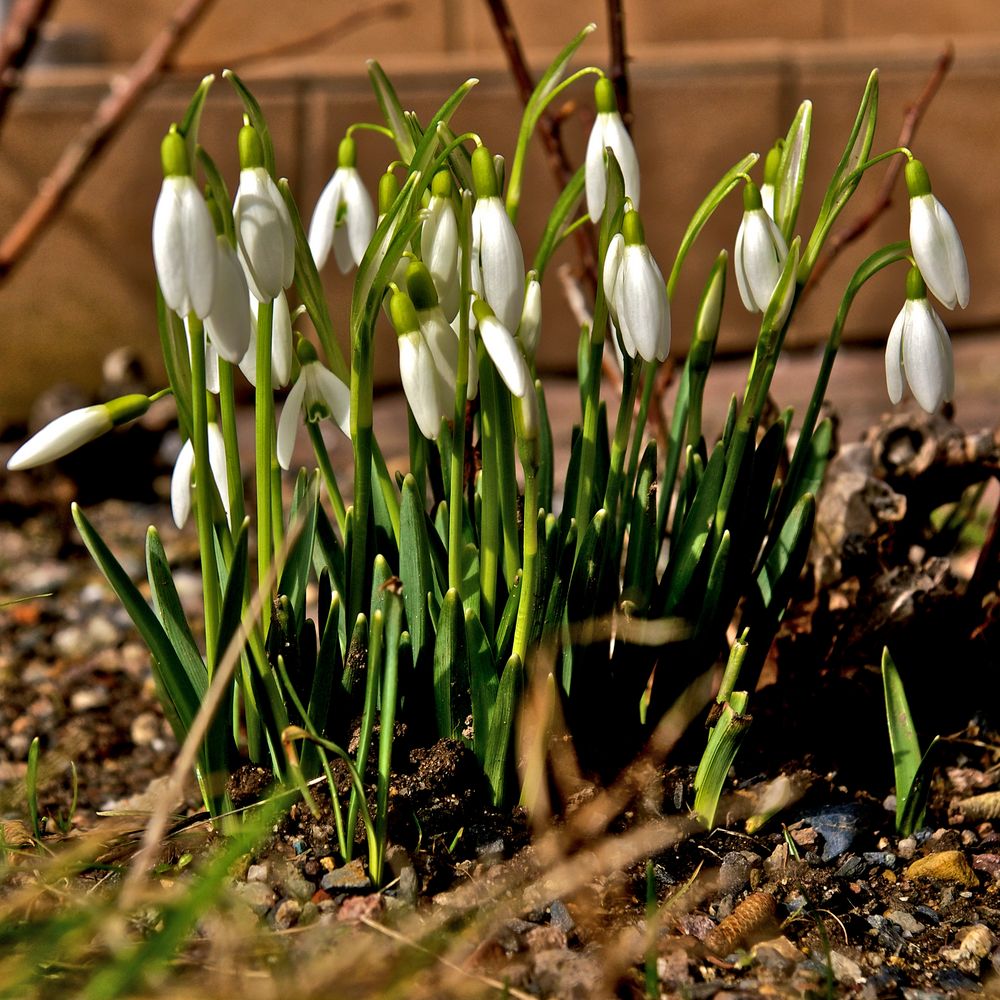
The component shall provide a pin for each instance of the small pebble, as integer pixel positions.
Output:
(258, 873)
(350, 878)
(561, 917)
(256, 895)
(360, 908)
(287, 915)
(89, 698)
(943, 866)
(906, 922)
(845, 970)
(145, 729)
(906, 848)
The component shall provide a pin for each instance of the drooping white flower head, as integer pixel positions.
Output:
(503, 349)
(497, 260)
(180, 480)
(281, 343)
(760, 252)
(74, 429)
(229, 323)
(264, 234)
(636, 293)
(531, 316)
(439, 248)
(317, 395)
(344, 217)
(919, 349)
(937, 247)
(441, 337)
(184, 251)
(609, 132)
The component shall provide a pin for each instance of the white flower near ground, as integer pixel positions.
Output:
(317, 395)
(181, 479)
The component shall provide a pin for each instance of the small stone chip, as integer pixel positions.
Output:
(943, 866)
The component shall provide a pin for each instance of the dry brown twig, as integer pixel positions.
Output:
(911, 120)
(17, 41)
(111, 114)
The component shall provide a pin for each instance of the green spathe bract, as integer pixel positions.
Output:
(440, 593)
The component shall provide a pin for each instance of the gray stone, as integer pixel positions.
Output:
(287, 915)
(256, 895)
(561, 917)
(349, 878)
(258, 873)
(905, 921)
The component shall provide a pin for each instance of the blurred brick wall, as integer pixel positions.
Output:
(706, 89)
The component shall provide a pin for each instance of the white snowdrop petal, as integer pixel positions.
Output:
(955, 252)
(200, 249)
(360, 219)
(263, 230)
(168, 247)
(228, 323)
(594, 174)
(324, 218)
(640, 311)
(417, 377)
(929, 251)
(616, 136)
(894, 357)
(501, 262)
(925, 359)
(180, 484)
(506, 355)
(217, 463)
(288, 423)
(335, 394)
(282, 349)
(63, 435)
(741, 278)
(612, 267)
(761, 262)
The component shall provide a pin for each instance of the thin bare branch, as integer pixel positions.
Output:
(911, 121)
(619, 60)
(20, 33)
(83, 152)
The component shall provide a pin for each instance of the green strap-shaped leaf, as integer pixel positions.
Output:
(191, 121)
(295, 573)
(257, 119)
(415, 569)
(640, 562)
(451, 667)
(501, 728)
(565, 206)
(724, 741)
(236, 587)
(392, 110)
(483, 682)
(183, 693)
(792, 171)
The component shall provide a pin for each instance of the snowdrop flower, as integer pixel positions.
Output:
(920, 349)
(180, 481)
(441, 337)
(497, 261)
(281, 344)
(316, 395)
(184, 251)
(760, 252)
(265, 238)
(429, 394)
(636, 293)
(439, 244)
(76, 428)
(229, 322)
(503, 349)
(937, 247)
(344, 217)
(608, 132)
(531, 316)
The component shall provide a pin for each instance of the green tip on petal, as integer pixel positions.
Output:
(305, 352)
(772, 162)
(173, 154)
(250, 147)
(917, 181)
(402, 314)
(126, 408)
(632, 229)
(388, 189)
(604, 96)
(420, 285)
(751, 198)
(915, 287)
(347, 152)
(481, 310)
(441, 185)
(484, 178)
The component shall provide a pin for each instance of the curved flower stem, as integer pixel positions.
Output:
(588, 442)
(264, 433)
(204, 487)
(489, 532)
(326, 468)
(507, 479)
(529, 579)
(455, 482)
(649, 369)
(361, 435)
